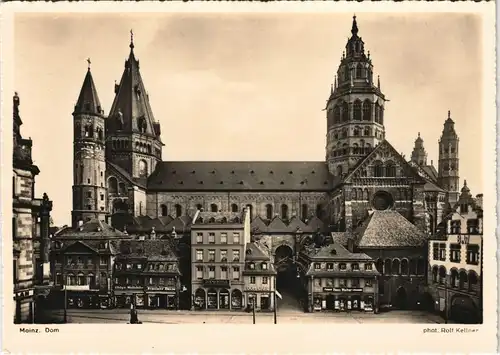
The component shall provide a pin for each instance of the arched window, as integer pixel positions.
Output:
(250, 208)
(91, 279)
(99, 134)
(339, 170)
(472, 281)
(211, 220)
(336, 114)
(284, 211)
(178, 210)
(199, 206)
(359, 71)
(354, 195)
(442, 275)
(454, 278)
(365, 195)
(357, 110)
(355, 149)
(269, 211)
(367, 110)
(142, 125)
(345, 148)
(390, 169)
(329, 117)
(387, 266)
(435, 274)
(463, 279)
(379, 265)
(122, 188)
(70, 279)
(112, 185)
(81, 280)
(367, 131)
(377, 112)
(413, 267)
(404, 267)
(143, 168)
(234, 208)
(421, 266)
(319, 211)
(356, 131)
(164, 211)
(395, 267)
(344, 132)
(378, 170)
(304, 211)
(345, 112)
(213, 208)
(381, 115)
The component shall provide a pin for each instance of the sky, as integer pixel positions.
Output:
(247, 86)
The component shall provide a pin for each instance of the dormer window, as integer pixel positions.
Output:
(317, 266)
(329, 266)
(142, 125)
(342, 266)
(251, 266)
(355, 266)
(264, 266)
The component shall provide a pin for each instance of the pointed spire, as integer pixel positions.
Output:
(378, 81)
(449, 114)
(354, 29)
(131, 39)
(331, 88)
(335, 82)
(88, 100)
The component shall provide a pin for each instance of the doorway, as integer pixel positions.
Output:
(401, 298)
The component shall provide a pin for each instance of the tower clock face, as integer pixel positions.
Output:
(382, 200)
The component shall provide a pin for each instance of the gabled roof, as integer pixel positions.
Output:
(150, 249)
(132, 100)
(241, 176)
(388, 229)
(398, 159)
(431, 171)
(88, 102)
(93, 229)
(277, 224)
(333, 251)
(258, 225)
(255, 251)
(116, 169)
(296, 224)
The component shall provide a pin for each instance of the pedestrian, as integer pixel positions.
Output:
(133, 315)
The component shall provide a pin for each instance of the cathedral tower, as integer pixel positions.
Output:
(419, 155)
(448, 178)
(355, 108)
(89, 182)
(133, 135)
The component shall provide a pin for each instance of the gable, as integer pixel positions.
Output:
(383, 153)
(113, 170)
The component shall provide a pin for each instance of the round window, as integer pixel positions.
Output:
(382, 200)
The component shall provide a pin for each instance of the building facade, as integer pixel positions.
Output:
(338, 279)
(259, 278)
(82, 264)
(146, 274)
(455, 263)
(120, 170)
(30, 228)
(218, 260)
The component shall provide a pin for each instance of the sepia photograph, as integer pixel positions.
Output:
(250, 169)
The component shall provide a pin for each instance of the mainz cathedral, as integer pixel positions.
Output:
(119, 168)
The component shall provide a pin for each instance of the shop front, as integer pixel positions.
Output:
(161, 297)
(343, 300)
(260, 298)
(217, 295)
(127, 295)
(83, 300)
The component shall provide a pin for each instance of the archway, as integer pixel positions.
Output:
(463, 310)
(287, 278)
(401, 298)
(426, 302)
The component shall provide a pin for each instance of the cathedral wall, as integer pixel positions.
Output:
(224, 201)
(138, 200)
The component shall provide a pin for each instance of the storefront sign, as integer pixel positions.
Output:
(257, 289)
(216, 283)
(128, 287)
(155, 288)
(341, 289)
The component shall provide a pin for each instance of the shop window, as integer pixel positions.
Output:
(223, 238)
(354, 283)
(342, 282)
(211, 272)
(252, 280)
(473, 254)
(455, 251)
(211, 238)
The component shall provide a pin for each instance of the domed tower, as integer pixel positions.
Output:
(89, 182)
(133, 135)
(448, 173)
(355, 108)
(419, 155)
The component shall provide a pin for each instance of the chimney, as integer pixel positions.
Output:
(350, 245)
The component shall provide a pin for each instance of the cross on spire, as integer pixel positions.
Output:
(88, 63)
(131, 39)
